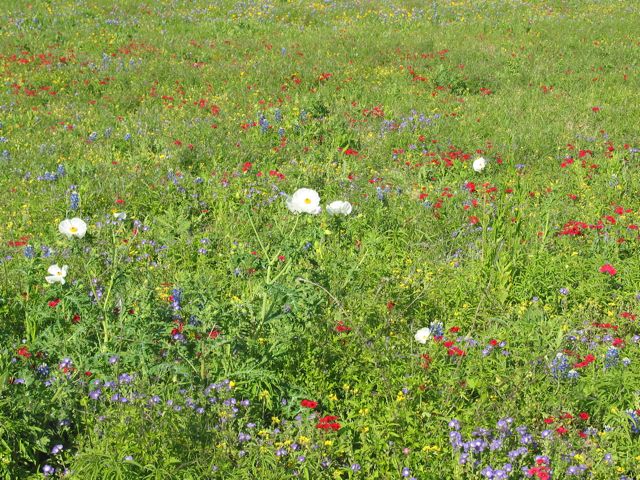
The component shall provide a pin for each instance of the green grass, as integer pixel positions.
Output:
(196, 119)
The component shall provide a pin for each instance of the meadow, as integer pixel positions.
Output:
(181, 298)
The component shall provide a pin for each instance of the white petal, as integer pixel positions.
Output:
(53, 279)
(80, 226)
(64, 228)
(423, 335)
(53, 269)
(339, 207)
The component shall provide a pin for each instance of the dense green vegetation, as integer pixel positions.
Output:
(472, 315)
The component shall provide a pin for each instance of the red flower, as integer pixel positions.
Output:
(341, 327)
(177, 329)
(605, 325)
(54, 303)
(328, 423)
(548, 420)
(561, 430)
(584, 416)
(587, 360)
(76, 318)
(327, 419)
(24, 352)
(426, 361)
(213, 334)
(456, 352)
(608, 268)
(16, 243)
(542, 473)
(308, 403)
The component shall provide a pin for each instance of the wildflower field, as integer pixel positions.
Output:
(321, 240)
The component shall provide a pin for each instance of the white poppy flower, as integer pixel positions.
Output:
(73, 228)
(120, 215)
(423, 335)
(304, 200)
(339, 207)
(479, 164)
(56, 274)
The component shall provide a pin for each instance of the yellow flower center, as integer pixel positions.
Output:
(307, 201)
(59, 274)
(73, 229)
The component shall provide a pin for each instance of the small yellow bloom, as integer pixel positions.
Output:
(431, 448)
(328, 443)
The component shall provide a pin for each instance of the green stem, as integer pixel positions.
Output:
(105, 320)
(255, 231)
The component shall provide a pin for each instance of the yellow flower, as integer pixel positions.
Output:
(303, 440)
(328, 443)
(431, 448)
